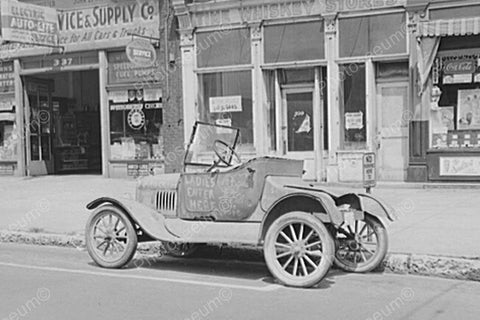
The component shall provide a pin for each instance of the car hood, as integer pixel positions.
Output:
(161, 182)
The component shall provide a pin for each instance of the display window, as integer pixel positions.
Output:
(226, 99)
(353, 106)
(455, 99)
(8, 141)
(136, 119)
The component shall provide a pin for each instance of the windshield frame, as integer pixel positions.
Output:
(186, 162)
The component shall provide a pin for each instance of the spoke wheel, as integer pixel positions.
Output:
(111, 238)
(298, 249)
(361, 247)
(180, 250)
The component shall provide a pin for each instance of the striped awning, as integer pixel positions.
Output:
(451, 27)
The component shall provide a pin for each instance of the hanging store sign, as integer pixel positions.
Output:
(27, 23)
(141, 53)
(226, 104)
(460, 66)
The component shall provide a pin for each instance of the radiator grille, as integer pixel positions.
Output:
(166, 201)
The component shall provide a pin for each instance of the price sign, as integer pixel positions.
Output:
(369, 170)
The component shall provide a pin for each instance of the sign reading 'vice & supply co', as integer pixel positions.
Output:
(93, 24)
(27, 23)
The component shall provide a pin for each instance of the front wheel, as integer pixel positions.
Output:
(110, 237)
(361, 247)
(298, 249)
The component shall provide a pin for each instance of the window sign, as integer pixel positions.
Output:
(468, 116)
(121, 71)
(7, 83)
(354, 120)
(226, 104)
(459, 66)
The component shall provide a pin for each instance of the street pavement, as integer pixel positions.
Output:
(58, 283)
(443, 222)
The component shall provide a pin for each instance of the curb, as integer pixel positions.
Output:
(413, 264)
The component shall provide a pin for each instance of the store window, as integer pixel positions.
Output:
(136, 109)
(223, 48)
(136, 125)
(353, 106)
(226, 99)
(373, 35)
(455, 99)
(294, 42)
(8, 141)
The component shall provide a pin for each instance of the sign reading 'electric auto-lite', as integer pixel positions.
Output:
(26, 23)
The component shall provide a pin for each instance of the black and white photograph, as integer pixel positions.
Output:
(239, 159)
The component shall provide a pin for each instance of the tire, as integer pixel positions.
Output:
(297, 234)
(180, 250)
(110, 237)
(359, 255)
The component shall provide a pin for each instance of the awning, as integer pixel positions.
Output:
(451, 27)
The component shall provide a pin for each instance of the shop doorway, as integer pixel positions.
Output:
(62, 116)
(38, 98)
(298, 130)
(392, 130)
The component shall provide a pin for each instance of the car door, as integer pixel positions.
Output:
(220, 196)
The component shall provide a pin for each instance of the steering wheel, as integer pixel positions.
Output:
(225, 154)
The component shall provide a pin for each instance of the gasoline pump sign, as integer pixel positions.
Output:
(369, 170)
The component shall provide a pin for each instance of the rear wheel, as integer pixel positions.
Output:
(298, 249)
(180, 250)
(361, 247)
(110, 237)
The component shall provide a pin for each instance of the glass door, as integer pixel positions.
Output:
(39, 120)
(298, 132)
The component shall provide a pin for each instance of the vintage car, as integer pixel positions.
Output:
(302, 228)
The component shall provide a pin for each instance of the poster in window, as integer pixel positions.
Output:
(354, 120)
(447, 117)
(226, 104)
(468, 110)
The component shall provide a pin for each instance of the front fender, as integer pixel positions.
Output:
(149, 220)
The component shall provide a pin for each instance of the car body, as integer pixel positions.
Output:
(263, 201)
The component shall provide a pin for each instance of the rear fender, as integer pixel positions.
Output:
(367, 203)
(150, 221)
(321, 206)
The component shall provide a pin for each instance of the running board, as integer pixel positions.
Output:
(213, 232)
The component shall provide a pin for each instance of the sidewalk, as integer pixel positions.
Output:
(438, 222)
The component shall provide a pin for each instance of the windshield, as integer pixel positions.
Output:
(200, 150)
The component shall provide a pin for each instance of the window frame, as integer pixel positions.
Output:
(380, 57)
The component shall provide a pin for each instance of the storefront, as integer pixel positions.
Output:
(449, 90)
(322, 81)
(94, 102)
